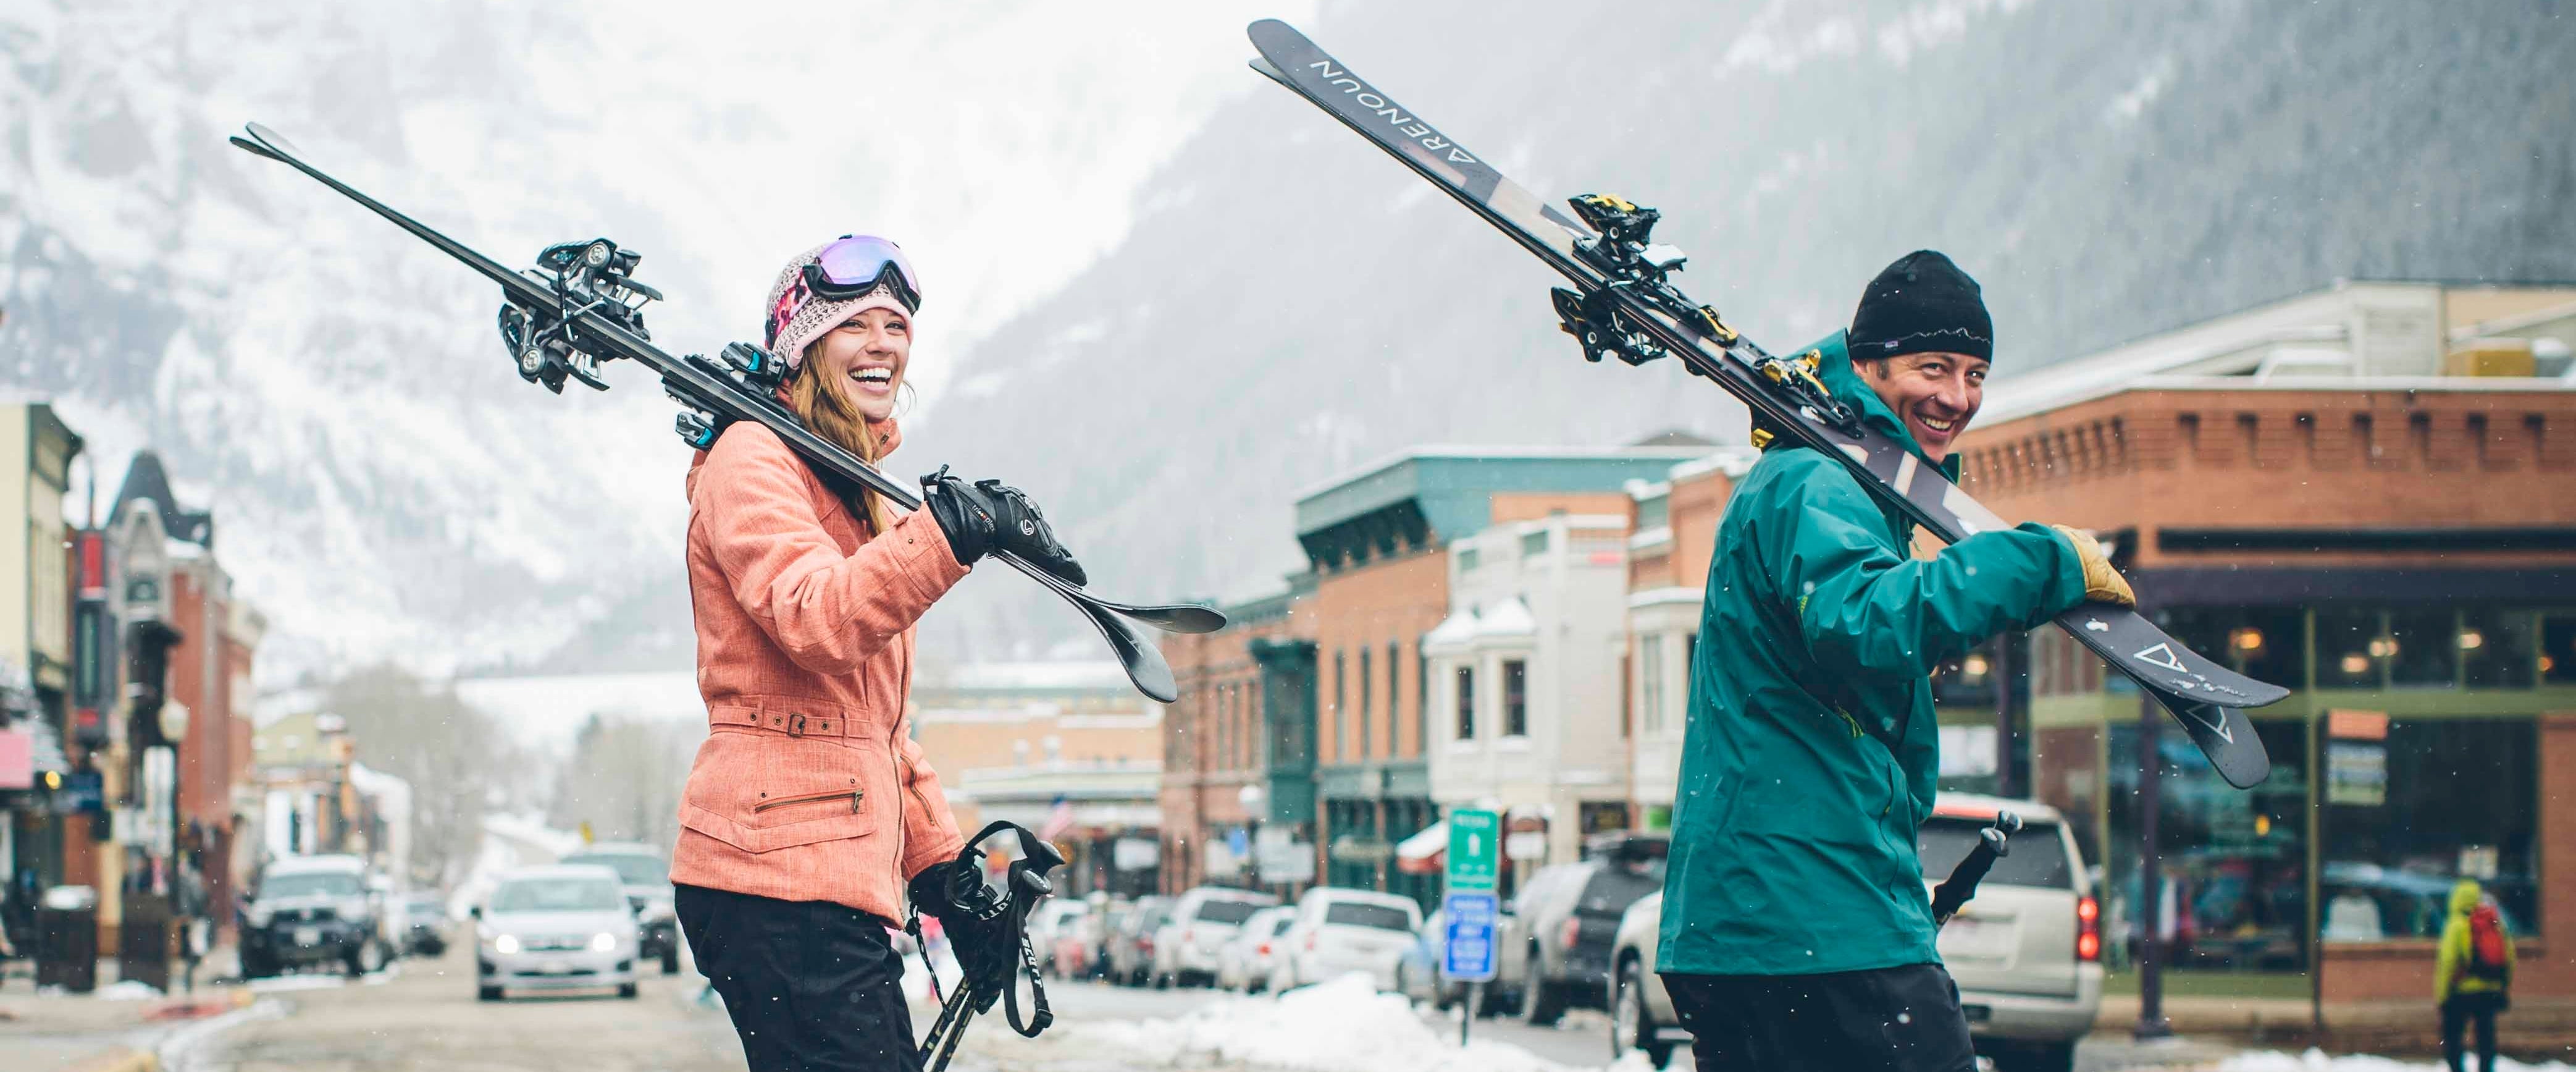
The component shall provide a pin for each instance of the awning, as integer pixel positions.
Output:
(1425, 853)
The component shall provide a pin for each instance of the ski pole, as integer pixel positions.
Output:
(1957, 890)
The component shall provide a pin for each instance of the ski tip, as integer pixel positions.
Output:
(274, 142)
(1260, 26)
(253, 148)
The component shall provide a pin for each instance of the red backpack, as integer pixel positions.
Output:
(2486, 942)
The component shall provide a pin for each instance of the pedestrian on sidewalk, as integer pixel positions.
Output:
(1797, 935)
(810, 811)
(2472, 974)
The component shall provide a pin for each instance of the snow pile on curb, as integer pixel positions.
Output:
(129, 990)
(1341, 1026)
(2317, 1061)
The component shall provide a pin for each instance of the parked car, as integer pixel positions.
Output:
(1131, 945)
(1187, 946)
(645, 877)
(563, 927)
(312, 910)
(1340, 930)
(2026, 953)
(1052, 920)
(422, 925)
(1565, 922)
(1419, 974)
(1244, 964)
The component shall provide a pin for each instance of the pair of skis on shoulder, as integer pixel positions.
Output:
(1624, 304)
(581, 306)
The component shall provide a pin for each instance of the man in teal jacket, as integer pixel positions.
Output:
(1796, 931)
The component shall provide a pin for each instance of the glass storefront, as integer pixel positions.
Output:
(2412, 805)
(2235, 861)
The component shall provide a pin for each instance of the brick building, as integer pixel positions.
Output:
(1067, 749)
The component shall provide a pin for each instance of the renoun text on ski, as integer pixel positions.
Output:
(810, 812)
(1796, 934)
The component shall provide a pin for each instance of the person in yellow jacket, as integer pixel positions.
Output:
(2471, 974)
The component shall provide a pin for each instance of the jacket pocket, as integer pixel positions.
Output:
(760, 792)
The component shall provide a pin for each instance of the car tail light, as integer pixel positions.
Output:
(1265, 949)
(1310, 941)
(2088, 929)
(1573, 931)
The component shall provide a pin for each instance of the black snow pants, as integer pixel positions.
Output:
(2458, 1015)
(812, 986)
(1902, 1019)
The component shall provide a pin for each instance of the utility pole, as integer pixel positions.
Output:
(2151, 874)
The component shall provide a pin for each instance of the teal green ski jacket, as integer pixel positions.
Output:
(1811, 751)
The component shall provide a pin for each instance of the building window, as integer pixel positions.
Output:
(1654, 513)
(2423, 648)
(2496, 648)
(1394, 661)
(1466, 560)
(2235, 861)
(2412, 805)
(1515, 698)
(1534, 543)
(1466, 703)
(2266, 644)
(1421, 698)
(2349, 649)
(1341, 739)
(1650, 691)
(2558, 649)
(1364, 703)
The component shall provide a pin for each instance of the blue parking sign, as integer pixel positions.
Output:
(1468, 951)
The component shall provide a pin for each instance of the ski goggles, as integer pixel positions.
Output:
(848, 268)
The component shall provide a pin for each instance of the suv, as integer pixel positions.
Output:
(1131, 946)
(1340, 930)
(311, 910)
(1566, 920)
(2026, 952)
(1189, 947)
(646, 879)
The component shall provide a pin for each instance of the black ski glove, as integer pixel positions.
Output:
(979, 933)
(989, 516)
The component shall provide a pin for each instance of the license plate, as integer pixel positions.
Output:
(1978, 1014)
(308, 935)
(555, 967)
(1977, 939)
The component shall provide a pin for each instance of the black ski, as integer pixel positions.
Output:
(581, 308)
(1627, 308)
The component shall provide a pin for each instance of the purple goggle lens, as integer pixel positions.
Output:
(855, 264)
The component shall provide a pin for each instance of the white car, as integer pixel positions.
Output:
(565, 927)
(1187, 948)
(1339, 931)
(1054, 919)
(1245, 962)
(2026, 952)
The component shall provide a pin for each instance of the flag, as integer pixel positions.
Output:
(1059, 819)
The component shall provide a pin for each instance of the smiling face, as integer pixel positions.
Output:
(1934, 394)
(869, 351)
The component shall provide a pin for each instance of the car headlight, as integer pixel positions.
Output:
(603, 942)
(507, 943)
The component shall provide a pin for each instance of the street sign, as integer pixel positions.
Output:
(1468, 953)
(1474, 837)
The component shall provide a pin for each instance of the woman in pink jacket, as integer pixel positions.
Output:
(810, 812)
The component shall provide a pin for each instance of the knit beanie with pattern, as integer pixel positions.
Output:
(809, 317)
(1922, 304)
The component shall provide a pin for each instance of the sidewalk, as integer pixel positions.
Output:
(102, 1031)
(2223, 1024)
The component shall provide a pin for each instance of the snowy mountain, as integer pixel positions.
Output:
(1164, 295)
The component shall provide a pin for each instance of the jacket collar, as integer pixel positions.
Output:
(1835, 368)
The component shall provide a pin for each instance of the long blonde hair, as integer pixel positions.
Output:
(827, 409)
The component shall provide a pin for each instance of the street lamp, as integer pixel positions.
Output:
(1251, 797)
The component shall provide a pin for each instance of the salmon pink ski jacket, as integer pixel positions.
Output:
(809, 786)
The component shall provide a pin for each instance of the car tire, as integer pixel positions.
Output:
(256, 965)
(671, 959)
(1632, 1025)
(628, 990)
(366, 958)
(487, 993)
(1542, 1002)
(2037, 1057)
(1162, 982)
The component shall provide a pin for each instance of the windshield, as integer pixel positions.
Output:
(557, 895)
(1361, 914)
(2038, 856)
(1217, 911)
(633, 868)
(311, 884)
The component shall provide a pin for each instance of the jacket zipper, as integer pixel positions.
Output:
(855, 796)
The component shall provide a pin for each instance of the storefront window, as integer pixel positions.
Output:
(2408, 814)
(2423, 649)
(2496, 648)
(2558, 649)
(2235, 861)
(2347, 642)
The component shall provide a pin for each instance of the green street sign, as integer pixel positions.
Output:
(1475, 849)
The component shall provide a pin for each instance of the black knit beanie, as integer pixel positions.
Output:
(1921, 304)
